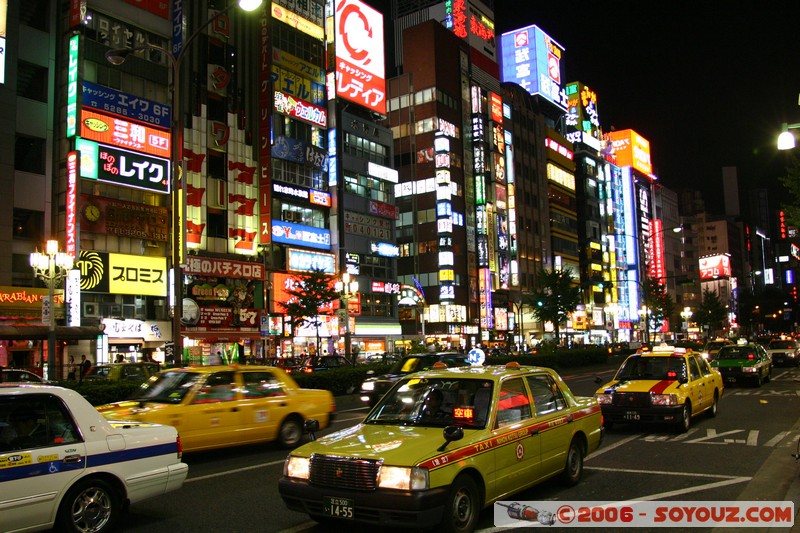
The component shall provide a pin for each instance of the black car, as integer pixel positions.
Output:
(326, 362)
(374, 387)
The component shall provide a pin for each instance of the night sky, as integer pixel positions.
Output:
(708, 83)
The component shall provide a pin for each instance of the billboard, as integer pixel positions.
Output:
(630, 150)
(122, 273)
(715, 266)
(122, 167)
(532, 59)
(360, 72)
(122, 133)
(582, 116)
(126, 105)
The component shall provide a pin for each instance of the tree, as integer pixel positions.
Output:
(711, 312)
(557, 298)
(660, 305)
(311, 293)
(792, 183)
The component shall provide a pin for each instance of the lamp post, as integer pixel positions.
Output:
(51, 267)
(763, 238)
(117, 57)
(347, 288)
(686, 314)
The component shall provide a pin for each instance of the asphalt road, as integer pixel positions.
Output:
(742, 454)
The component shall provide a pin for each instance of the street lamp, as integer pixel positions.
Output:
(686, 314)
(786, 140)
(51, 267)
(117, 57)
(348, 289)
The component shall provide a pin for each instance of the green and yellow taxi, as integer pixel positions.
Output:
(441, 445)
(220, 406)
(744, 362)
(668, 385)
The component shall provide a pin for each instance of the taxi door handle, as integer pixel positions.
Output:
(569, 419)
(71, 459)
(234, 409)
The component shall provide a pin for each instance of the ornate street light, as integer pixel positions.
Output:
(51, 267)
(686, 314)
(348, 289)
(786, 140)
(117, 57)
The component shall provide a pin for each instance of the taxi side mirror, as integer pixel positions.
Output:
(450, 434)
(311, 426)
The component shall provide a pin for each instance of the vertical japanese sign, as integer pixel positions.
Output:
(72, 205)
(72, 85)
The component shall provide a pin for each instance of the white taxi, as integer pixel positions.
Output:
(63, 465)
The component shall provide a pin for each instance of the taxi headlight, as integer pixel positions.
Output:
(749, 369)
(663, 399)
(368, 385)
(603, 398)
(403, 478)
(296, 467)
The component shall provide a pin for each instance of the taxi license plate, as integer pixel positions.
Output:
(631, 415)
(337, 507)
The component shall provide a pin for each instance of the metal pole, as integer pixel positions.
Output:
(51, 332)
(346, 298)
(177, 237)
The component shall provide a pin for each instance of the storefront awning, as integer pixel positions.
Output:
(17, 333)
(222, 335)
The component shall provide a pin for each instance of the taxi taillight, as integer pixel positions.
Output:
(180, 446)
(333, 405)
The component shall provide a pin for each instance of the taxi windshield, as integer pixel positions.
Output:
(168, 387)
(731, 353)
(435, 402)
(659, 368)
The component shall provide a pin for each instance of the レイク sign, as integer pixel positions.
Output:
(132, 169)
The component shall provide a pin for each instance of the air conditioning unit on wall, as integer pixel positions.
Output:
(91, 310)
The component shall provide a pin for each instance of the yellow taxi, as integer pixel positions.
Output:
(443, 444)
(666, 385)
(221, 406)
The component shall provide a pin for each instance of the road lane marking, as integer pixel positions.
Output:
(776, 439)
(662, 472)
(234, 471)
(605, 449)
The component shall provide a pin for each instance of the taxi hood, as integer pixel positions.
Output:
(656, 386)
(393, 444)
(130, 409)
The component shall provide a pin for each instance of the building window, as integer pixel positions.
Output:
(217, 226)
(28, 225)
(32, 81)
(29, 154)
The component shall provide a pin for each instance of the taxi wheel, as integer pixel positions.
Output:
(90, 505)
(712, 411)
(685, 419)
(573, 469)
(462, 506)
(768, 377)
(291, 432)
